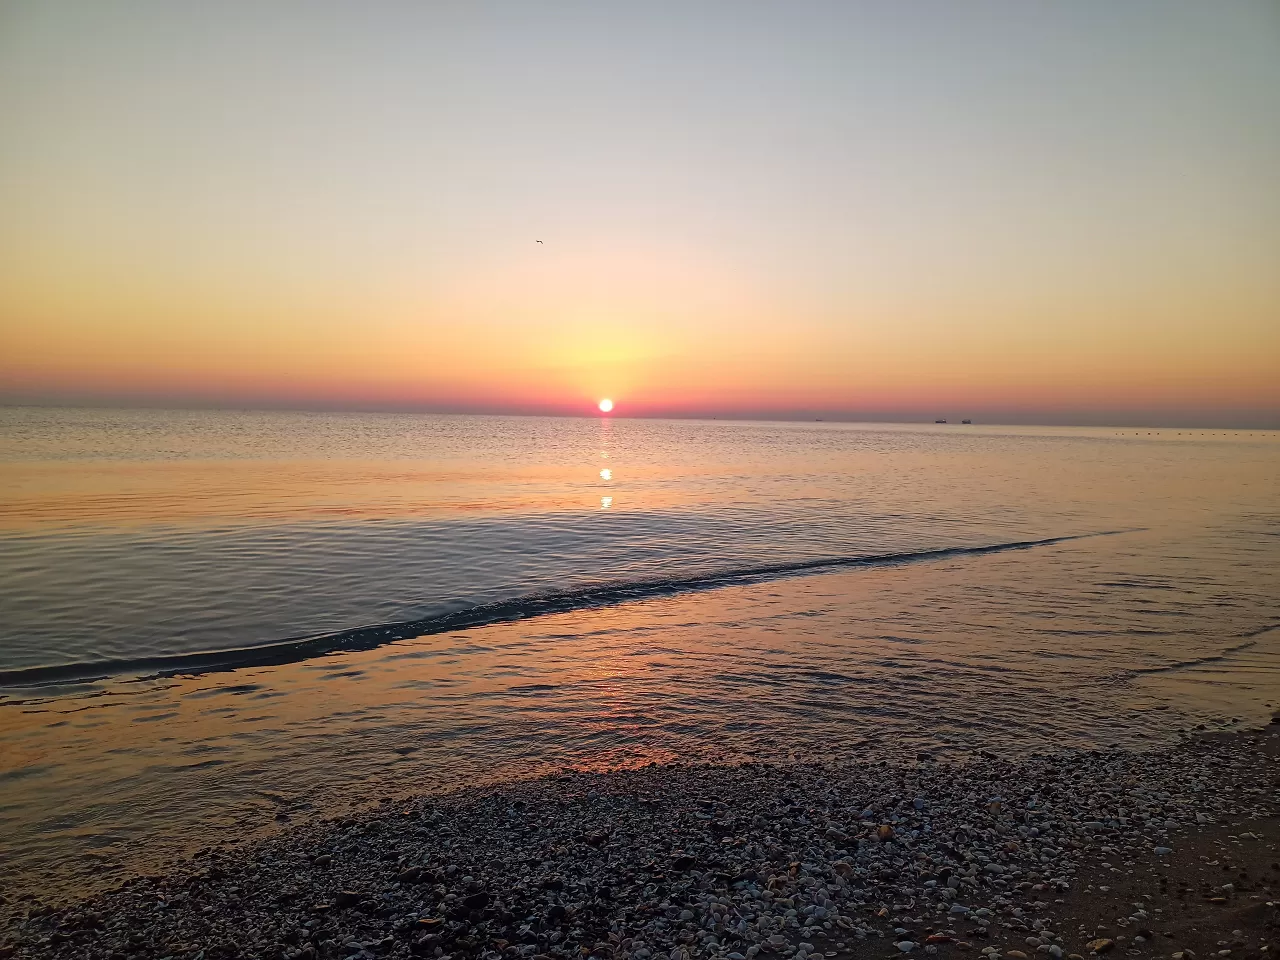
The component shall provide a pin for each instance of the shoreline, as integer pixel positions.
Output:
(736, 861)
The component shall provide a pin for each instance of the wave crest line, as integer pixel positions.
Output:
(486, 614)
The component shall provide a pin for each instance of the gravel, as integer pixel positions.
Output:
(677, 862)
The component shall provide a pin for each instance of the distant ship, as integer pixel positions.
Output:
(939, 421)
(966, 421)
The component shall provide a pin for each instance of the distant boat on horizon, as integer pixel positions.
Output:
(966, 421)
(939, 421)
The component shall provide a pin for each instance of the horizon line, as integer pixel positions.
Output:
(762, 416)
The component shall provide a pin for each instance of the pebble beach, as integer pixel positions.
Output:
(1087, 853)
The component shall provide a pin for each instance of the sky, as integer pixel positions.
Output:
(1013, 211)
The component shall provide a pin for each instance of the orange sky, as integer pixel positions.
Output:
(1054, 215)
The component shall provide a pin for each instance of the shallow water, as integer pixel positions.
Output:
(637, 590)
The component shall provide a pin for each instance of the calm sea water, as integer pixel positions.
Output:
(213, 623)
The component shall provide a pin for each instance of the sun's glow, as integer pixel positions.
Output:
(606, 405)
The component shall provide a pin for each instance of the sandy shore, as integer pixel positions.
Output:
(1151, 854)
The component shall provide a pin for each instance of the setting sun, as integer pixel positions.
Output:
(606, 405)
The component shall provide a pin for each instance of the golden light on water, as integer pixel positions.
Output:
(606, 405)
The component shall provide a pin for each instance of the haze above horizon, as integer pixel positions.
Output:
(1051, 214)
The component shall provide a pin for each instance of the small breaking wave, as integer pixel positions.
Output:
(1248, 639)
(501, 611)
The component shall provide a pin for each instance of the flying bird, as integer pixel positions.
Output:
(539, 241)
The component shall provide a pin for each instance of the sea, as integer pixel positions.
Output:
(215, 624)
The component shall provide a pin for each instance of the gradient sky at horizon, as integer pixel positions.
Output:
(1024, 212)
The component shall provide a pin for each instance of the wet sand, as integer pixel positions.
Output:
(1143, 854)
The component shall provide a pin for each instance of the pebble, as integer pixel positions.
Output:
(672, 862)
